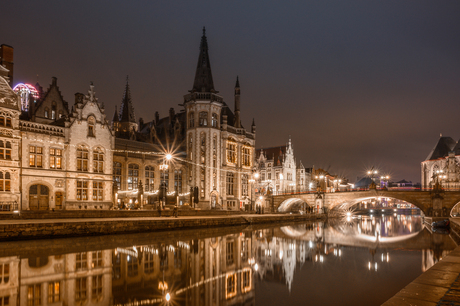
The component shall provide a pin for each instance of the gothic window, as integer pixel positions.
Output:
(80, 289)
(203, 118)
(96, 259)
(133, 176)
(54, 292)
(82, 190)
(117, 174)
(98, 191)
(202, 182)
(34, 295)
(230, 251)
(203, 149)
(98, 160)
(8, 122)
(149, 178)
(91, 126)
(82, 158)
(47, 112)
(35, 156)
(246, 156)
(191, 119)
(5, 121)
(55, 158)
(96, 286)
(230, 182)
(5, 300)
(178, 180)
(5, 150)
(214, 120)
(244, 184)
(231, 152)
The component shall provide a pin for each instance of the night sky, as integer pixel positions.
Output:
(355, 83)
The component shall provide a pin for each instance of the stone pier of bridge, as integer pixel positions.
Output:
(436, 203)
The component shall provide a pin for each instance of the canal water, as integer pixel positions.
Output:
(362, 260)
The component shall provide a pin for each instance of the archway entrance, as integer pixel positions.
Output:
(39, 197)
(59, 199)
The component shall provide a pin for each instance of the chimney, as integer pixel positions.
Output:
(157, 118)
(54, 81)
(6, 60)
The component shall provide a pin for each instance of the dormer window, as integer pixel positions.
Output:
(214, 120)
(91, 127)
(47, 112)
(53, 111)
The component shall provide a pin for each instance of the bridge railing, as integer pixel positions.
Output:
(280, 193)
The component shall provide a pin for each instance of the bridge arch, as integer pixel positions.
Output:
(292, 204)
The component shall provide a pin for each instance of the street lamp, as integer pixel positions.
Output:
(163, 168)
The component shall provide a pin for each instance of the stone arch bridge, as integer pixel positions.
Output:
(433, 203)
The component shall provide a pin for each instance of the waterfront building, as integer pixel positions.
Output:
(212, 152)
(442, 164)
(279, 172)
(50, 157)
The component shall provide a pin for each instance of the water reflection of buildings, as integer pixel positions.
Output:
(213, 271)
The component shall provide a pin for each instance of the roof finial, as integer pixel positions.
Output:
(204, 31)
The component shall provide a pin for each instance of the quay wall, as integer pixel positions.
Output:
(56, 228)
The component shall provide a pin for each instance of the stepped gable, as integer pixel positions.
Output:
(442, 148)
(274, 153)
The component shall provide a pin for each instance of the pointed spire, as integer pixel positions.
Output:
(237, 85)
(203, 76)
(126, 108)
(237, 104)
(115, 115)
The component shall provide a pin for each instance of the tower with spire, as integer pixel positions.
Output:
(126, 119)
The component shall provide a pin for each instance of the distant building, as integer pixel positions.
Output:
(442, 164)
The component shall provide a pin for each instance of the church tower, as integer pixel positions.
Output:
(203, 109)
(127, 119)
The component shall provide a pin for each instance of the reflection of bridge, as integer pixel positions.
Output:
(432, 203)
(418, 240)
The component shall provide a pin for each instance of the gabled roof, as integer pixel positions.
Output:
(442, 148)
(8, 98)
(274, 153)
(203, 77)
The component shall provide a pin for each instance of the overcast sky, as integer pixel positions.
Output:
(355, 84)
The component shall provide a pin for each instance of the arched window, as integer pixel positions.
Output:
(244, 185)
(117, 174)
(60, 114)
(47, 112)
(203, 119)
(149, 178)
(98, 160)
(91, 126)
(214, 120)
(5, 181)
(5, 150)
(191, 119)
(53, 111)
(82, 158)
(133, 176)
(178, 180)
(5, 121)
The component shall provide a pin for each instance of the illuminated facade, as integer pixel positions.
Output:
(442, 164)
(212, 152)
(51, 158)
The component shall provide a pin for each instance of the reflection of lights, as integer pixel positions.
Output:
(256, 267)
(375, 266)
(281, 254)
(321, 259)
(168, 297)
(310, 244)
(369, 265)
(372, 210)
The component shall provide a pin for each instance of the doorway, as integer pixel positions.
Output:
(39, 197)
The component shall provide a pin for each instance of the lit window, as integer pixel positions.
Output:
(246, 156)
(230, 182)
(55, 158)
(117, 174)
(133, 266)
(149, 178)
(82, 159)
(35, 156)
(54, 292)
(178, 181)
(96, 287)
(5, 181)
(34, 295)
(96, 259)
(133, 176)
(91, 127)
(80, 289)
(98, 191)
(82, 190)
(98, 161)
(47, 111)
(214, 120)
(231, 152)
(5, 150)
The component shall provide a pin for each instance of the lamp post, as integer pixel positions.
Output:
(163, 168)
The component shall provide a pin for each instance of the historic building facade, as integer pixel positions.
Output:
(212, 152)
(442, 164)
(278, 171)
(51, 158)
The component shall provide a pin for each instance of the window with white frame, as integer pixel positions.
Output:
(149, 178)
(214, 120)
(35, 156)
(133, 176)
(117, 174)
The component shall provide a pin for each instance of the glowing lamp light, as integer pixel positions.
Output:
(168, 157)
(256, 175)
(168, 297)
(256, 267)
(261, 198)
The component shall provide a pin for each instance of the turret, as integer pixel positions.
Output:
(237, 104)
